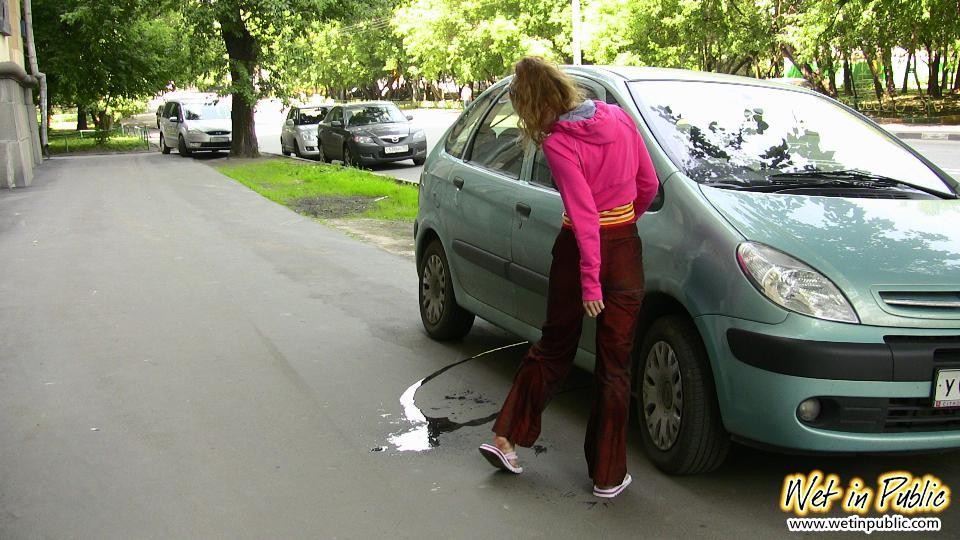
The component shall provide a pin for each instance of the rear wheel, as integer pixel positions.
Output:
(680, 421)
(182, 147)
(164, 149)
(442, 317)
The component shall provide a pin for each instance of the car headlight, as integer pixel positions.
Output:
(363, 139)
(419, 136)
(792, 284)
(195, 133)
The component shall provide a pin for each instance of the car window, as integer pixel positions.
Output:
(309, 116)
(375, 114)
(751, 136)
(335, 115)
(459, 134)
(292, 114)
(541, 174)
(205, 111)
(496, 145)
(175, 111)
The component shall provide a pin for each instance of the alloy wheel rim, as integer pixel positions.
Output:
(662, 395)
(433, 286)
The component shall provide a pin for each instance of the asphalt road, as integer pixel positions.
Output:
(946, 154)
(181, 358)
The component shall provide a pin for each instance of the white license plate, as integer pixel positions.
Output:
(946, 389)
(396, 149)
(219, 139)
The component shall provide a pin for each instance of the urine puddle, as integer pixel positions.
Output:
(424, 431)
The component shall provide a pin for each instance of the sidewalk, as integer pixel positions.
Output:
(934, 132)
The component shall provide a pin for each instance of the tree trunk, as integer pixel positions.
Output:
(877, 87)
(809, 74)
(847, 75)
(916, 77)
(945, 78)
(242, 51)
(956, 74)
(906, 72)
(933, 74)
(887, 58)
(831, 71)
(82, 118)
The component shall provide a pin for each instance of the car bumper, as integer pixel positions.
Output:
(874, 384)
(374, 153)
(199, 146)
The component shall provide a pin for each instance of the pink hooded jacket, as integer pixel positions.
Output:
(599, 162)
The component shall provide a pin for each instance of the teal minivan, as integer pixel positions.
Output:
(802, 265)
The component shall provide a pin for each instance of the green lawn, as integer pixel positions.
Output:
(291, 182)
(63, 141)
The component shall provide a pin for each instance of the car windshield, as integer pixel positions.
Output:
(205, 111)
(375, 114)
(741, 135)
(310, 116)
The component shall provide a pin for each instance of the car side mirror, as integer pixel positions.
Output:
(174, 119)
(336, 123)
(409, 117)
(289, 121)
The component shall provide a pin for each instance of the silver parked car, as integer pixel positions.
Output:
(299, 134)
(195, 125)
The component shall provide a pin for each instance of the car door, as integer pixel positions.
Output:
(172, 131)
(482, 208)
(330, 137)
(535, 227)
(286, 134)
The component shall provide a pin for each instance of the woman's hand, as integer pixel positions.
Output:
(593, 307)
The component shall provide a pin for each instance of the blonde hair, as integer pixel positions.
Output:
(540, 93)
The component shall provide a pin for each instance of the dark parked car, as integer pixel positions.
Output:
(368, 133)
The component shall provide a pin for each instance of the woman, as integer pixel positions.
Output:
(606, 181)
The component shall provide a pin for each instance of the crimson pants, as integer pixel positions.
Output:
(548, 362)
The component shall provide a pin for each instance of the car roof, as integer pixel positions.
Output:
(614, 74)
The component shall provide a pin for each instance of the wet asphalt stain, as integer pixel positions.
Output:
(424, 430)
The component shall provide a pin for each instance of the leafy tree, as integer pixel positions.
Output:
(102, 56)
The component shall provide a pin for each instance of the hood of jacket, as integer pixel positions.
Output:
(589, 122)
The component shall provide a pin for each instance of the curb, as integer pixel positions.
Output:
(926, 136)
(401, 181)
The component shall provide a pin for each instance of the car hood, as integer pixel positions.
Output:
(879, 252)
(218, 124)
(400, 129)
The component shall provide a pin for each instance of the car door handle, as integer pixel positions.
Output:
(457, 181)
(523, 209)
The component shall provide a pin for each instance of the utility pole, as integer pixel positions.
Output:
(576, 32)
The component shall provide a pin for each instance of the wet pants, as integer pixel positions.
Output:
(548, 362)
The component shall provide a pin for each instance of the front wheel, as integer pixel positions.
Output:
(681, 427)
(182, 147)
(164, 149)
(283, 149)
(296, 148)
(418, 161)
(349, 160)
(442, 317)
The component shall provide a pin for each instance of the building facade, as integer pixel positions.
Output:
(20, 148)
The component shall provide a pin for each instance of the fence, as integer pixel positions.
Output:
(90, 139)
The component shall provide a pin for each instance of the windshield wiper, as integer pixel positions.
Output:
(845, 178)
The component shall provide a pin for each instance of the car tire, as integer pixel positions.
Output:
(283, 149)
(321, 155)
(418, 161)
(696, 442)
(348, 158)
(164, 149)
(182, 147)
(296, 149)
(442, 316)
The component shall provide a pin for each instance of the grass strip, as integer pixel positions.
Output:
(62, 142)
(287, 182)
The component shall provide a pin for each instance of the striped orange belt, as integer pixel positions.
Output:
(619, 215)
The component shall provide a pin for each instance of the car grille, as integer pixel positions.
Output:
(916, 414)
(393, 138)
(218, 132)
(938, 304)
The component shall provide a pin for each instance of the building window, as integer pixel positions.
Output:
(5, 17)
